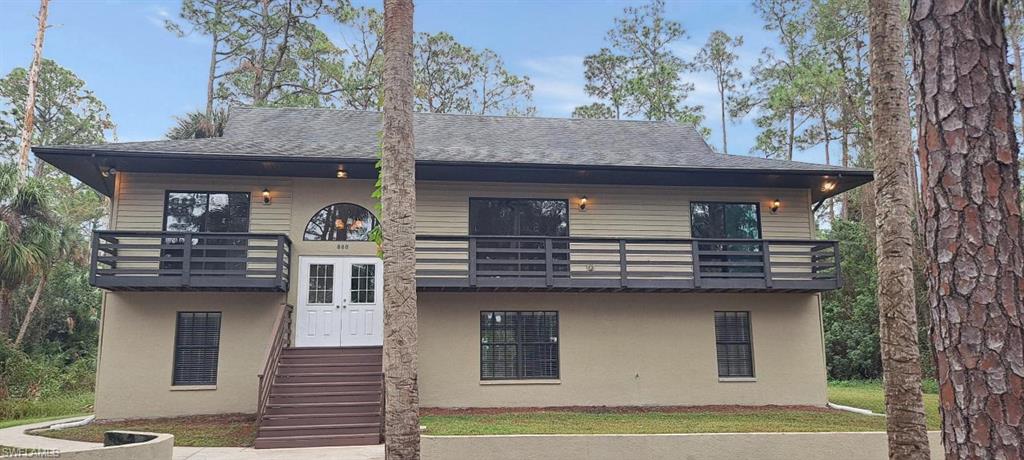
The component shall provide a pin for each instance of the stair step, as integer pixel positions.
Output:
(317, 408)
(326, 397)
(332, 351)
(317, 441)
(310, 430)
(320, 368)
(314, 387)
(329, 359)
(322, 377)
(320, 419)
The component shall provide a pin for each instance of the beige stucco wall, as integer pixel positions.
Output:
(627, 349)
(137, 353)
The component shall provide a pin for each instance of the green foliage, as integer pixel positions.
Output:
(596, 110)
(29, 377)
(67, 320)
(66, 112)
(15, 412)
(851, 314)
(196, 125)
(639, 72)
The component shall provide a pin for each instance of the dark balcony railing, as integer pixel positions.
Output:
(569, 263)
(178, 261)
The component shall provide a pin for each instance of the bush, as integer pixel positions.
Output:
(31, 377)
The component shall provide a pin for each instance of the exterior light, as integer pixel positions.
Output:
(828, 186)
(107, 172)
(776, 203)
(266, 196)
(342, 174)
(583, 203)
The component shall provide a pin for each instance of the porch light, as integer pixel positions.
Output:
(828, 186)
(583, 203)
(266, 196)
(342, 174)
(776, 203)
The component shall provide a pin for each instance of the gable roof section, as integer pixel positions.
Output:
(322, 136)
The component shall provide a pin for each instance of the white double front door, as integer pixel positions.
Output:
(340, 302)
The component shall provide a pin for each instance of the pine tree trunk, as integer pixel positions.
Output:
(897, 309)
(33, 81)
(725, 142)
(398, 199)
(972, 222)
(33, 304)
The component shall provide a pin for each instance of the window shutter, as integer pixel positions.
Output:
(196, 348)
(732, 337)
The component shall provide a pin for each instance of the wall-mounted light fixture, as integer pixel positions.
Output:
(107, 172)
(776, 203)
(828, 186)
(342, 174)
(583, 203)
(266, 196)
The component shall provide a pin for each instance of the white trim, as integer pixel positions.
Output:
(737, 379)
(522, 382)
(193, 387)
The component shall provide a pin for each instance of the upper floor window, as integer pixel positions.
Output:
(518, 216)
(340, 222)
(206, 212)
(725, 220)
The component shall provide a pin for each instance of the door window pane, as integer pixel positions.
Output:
(363, 285)
(321, 283)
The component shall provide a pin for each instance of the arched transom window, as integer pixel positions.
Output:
(340, 222)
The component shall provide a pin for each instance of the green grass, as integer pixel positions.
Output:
(15, 412)
(711, 421)
(870, 395)
(197, 431)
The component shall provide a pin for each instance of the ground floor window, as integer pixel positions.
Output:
(518, 345)
(732, 337)
(196, 348)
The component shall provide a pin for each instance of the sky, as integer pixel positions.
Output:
(147, 75)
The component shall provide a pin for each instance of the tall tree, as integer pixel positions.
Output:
(33, 80)
(607, 79)
(26, 234)
(398, 202)
(65, 110)
(640, 71)
(199, 125)
(897, 307)
(718, 57)
(595, 110)
(972, 216)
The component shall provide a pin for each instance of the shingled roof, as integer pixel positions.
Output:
(320, 134)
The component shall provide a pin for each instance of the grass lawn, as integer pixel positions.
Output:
(870, 395)
(197, 431)
(15, 412)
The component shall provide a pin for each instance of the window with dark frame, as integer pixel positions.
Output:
(733, 221)
(196, 348)
(219, 212)
(519, 345)
(732, 339)
(521, 218)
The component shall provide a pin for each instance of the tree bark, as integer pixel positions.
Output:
(972, 221)
(31, 309)
(5, 311)
(721, 97)
(398, 200)
(897, 312)
(33, 81)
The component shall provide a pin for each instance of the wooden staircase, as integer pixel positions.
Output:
(323, 397)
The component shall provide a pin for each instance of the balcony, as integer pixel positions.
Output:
(472, 263)
(178, 261)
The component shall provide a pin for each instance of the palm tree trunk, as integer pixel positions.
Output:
(5, 311)
(897, 312)
(31, 309)
(973, 231)
(33, 81)
(398, 200)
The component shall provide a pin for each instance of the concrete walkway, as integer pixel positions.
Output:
(15, 437)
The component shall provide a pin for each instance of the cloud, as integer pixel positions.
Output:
(558, 84)
(157, 15)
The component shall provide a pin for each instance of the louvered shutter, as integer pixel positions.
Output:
(732, 337)
(196, 348)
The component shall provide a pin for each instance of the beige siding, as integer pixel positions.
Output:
(140, 198)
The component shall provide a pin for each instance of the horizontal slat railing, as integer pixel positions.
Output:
(473, 262)
(133, 260)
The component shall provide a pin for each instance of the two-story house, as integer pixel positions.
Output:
(559, 263)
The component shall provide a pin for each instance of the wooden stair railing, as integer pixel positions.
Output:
(282, 337)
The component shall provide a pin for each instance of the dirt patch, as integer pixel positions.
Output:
(724, 409)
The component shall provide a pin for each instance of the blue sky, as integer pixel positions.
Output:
(147, 75)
